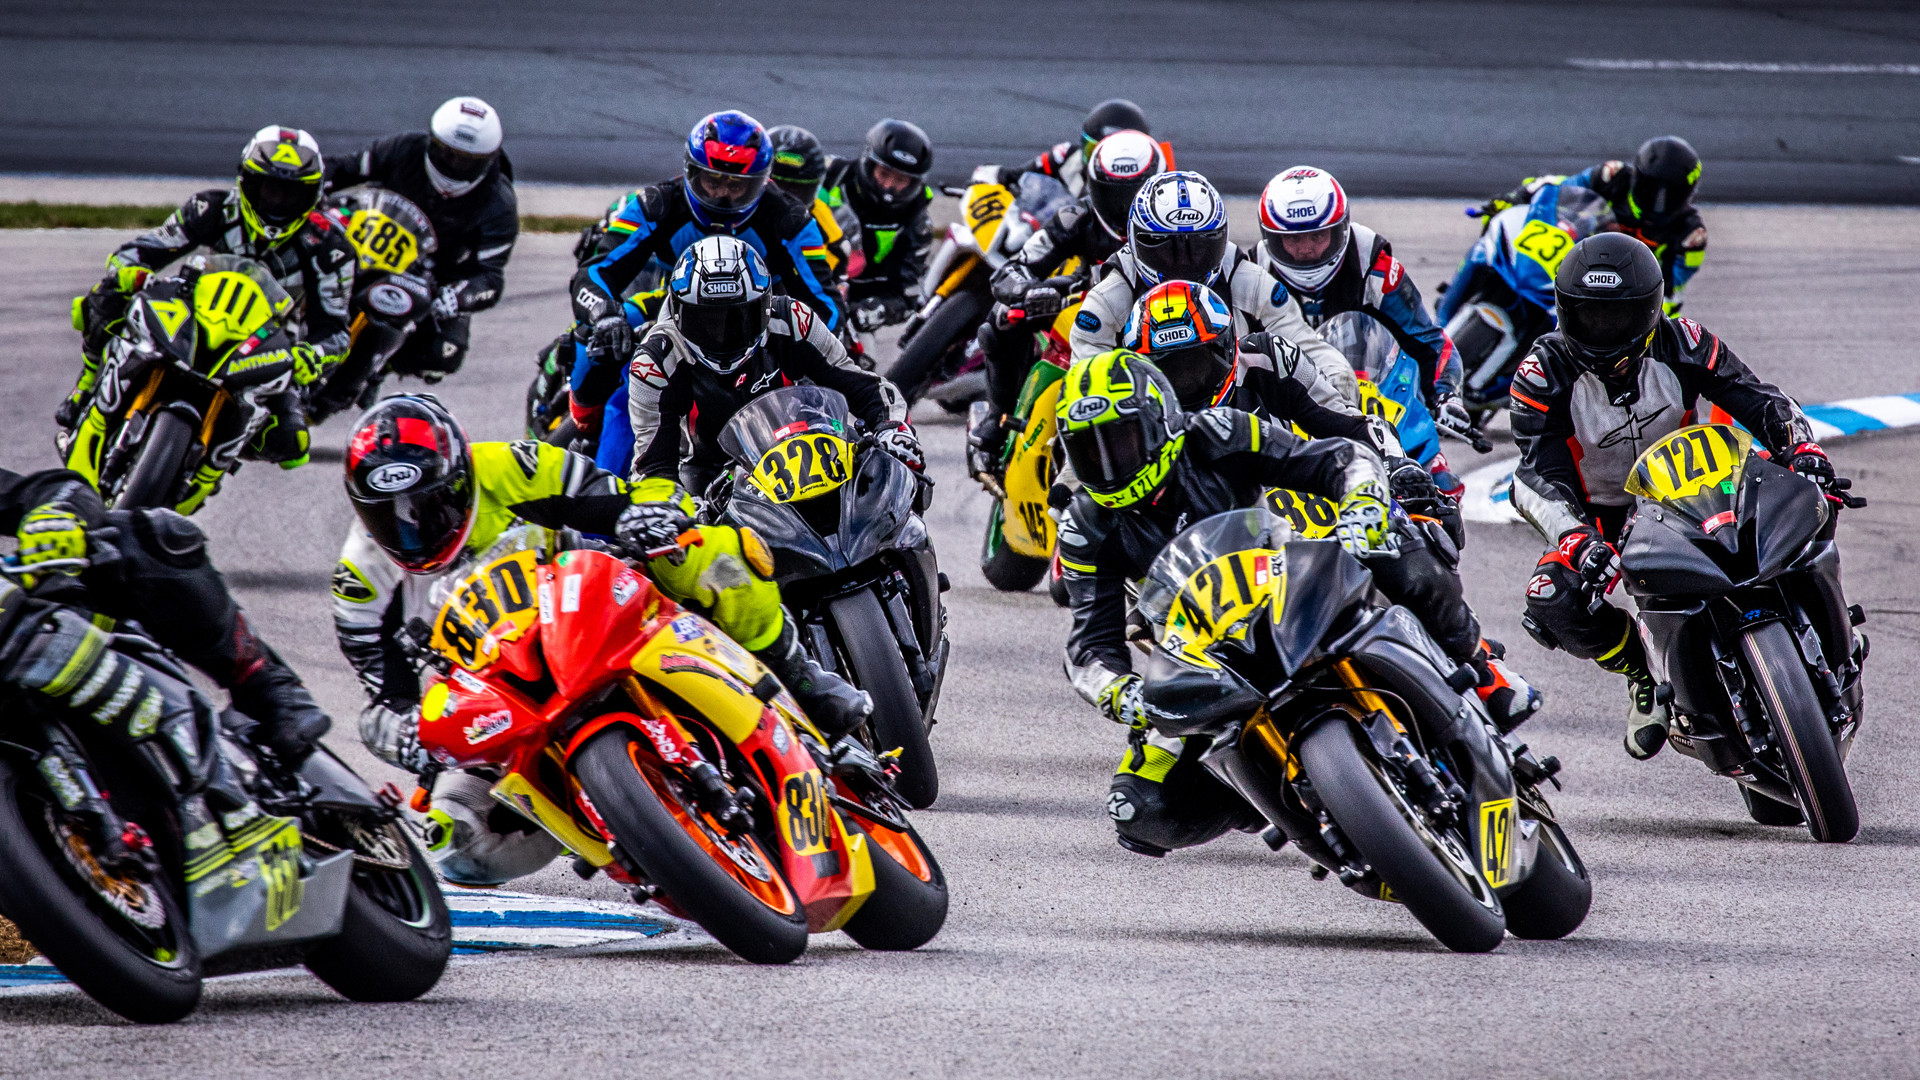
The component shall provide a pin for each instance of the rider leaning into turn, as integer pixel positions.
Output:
(1614, 379)
(426, 498)
(885, 191)
(722, 339)
(271, 216)
(458, 176)
(723, 191)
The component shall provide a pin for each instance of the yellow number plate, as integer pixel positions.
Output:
(1496, 841)
(804, 466)
(1375, 403)
(1690, 461)
(383, 243)
(1313, 516)
(491, 606)
(1218, 596)
(1544, 243)
(805, 814)
(229, 306)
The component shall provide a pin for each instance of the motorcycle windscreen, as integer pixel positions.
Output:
(1206, 590)
(795, 442)
(1695, 472)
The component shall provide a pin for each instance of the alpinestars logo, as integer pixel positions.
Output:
(1632, 430)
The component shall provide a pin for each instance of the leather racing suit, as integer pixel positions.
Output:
(894, 241)
(1008, 343)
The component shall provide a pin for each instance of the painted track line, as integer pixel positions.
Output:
(1749, 67)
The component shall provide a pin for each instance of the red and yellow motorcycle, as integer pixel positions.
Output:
(661, 752)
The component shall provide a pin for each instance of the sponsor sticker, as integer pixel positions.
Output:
(570, 594)
(686, 628)
(1086, 409)
(1541, 587)
(394, 476)
(488, 726)
(624, 587)
(1601, 279)
(1170, 335)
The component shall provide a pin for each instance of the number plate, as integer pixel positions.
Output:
(1544, 243)
(383, 243)
(490, 606)
(1313, 516)
(1496, 841)
(1690, 461)
(805, 814)
(1217, 598)
(804, 466)
(1375, 403)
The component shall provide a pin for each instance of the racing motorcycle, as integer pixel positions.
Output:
(662, 753)
(180, 384)
(1732, 562)
(1389, 382)
(262, 867)
(995, 222)
(1509, 296)
(393, 293)
(853, 558)
(1342, 723)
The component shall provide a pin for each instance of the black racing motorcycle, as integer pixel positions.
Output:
(1339, 720)
(393, 292)
(853, 558)
(260, 866)
(1732, 562)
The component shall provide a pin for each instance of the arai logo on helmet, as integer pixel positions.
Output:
(1086, 409)
(1181, 216)
(1601, 279)
(901, 156)
(388, 299)
(393, 476)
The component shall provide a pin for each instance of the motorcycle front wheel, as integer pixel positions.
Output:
(1554, 899)
(1813, 761)
(919, 362)
(155, 474)
(1439, 885)
(727, 884)
(1004, 568)
(873, 654)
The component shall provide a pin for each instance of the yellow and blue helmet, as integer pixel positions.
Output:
(1119, 422)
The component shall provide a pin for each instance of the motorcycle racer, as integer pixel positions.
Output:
(458, 175)
(1177, 231)
(270, 216)
(1067, 161)
(1615, 378)
(885, 190)
(799, 168)
(722, 191)
(722, 339)
(425, 497)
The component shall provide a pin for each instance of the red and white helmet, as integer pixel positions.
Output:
(1304, 224)
(1120, 163)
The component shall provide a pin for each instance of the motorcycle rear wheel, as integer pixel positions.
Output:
(873, 654)
(149, 977)
(155, 473)
(1813, 761)
(1463, 917)
(1004, 568)
(758, 917)
(396, 938)
(909, 901)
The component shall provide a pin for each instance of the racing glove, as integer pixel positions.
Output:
(876, 312)
(1365, 527)
(1451, 417)
(1413, 486)
(648, 527)
(901, 443)
(1810, 461)
(611, 337)
(52, 533)
(1120, 702)
(1042, 302)
(446, 304)
(391, 730)
(307, 364)
(1588, 553)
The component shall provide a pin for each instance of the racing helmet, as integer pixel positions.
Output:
(728, 160)
(1178, 229)
(1119, 164)
(1607, 293)
(720, 296)
(410, 478)
(1304, 226)
(1111, 116)
(464, 144)
(893, 168)
(280, 179)
(1119, 422)
(1186, 331)
(799, 162)
(1665, 171)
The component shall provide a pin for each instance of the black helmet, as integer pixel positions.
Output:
(1607, 293)
(893, 170)
(1111, 115)
(798, 161)
(1664, 174)
(410, 476)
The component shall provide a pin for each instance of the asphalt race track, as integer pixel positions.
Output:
(1716, 947)
(1788, 102)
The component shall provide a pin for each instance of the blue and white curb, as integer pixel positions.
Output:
(488, 922)
(1488, 500)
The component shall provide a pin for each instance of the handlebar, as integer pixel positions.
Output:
(952, 191)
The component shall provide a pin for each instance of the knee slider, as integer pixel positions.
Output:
(171, 537)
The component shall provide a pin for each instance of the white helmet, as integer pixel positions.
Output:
(1120, 163)
(1304, 225)
(720, 296)
(466, 140)
(1178, 229)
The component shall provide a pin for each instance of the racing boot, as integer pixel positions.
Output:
(834, 705)
(1646, 716)
(1509, 699)
(74, 406)
(289, 722)
(987, 447)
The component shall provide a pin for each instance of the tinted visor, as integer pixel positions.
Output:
(724, 191)
(723, 333)
(421, 530)
(1308, 250)
(1197, 373)
(1604, 325)
(1111, 199)
(457, 164)
(277, 200)
(1181, 256)
(1656, 197)
(804, 190)
(1106, 457)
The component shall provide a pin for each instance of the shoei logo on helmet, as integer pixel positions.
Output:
(1086, 409)
(713, 290)
(395, 476)
(389, 299)
(901, 155)
(1601, 279)
(1302, 210)
(1173, 335)
(1181, 216)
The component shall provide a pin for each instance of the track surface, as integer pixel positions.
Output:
(1396, 98)
(1715, 947)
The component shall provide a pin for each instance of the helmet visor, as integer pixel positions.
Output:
(723, 333)
(278, 200)
(1308, 250)
(456, 164)
(724, 191)
(804, 190)
(1111, 199)
(1106, 457)
(1198, 373)
(1604, 325)
(422, 530)
(1181, 256)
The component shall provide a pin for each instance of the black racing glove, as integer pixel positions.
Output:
(1810, 461)
(1591, 556)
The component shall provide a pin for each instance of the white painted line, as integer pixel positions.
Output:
(1823, 431)
(1892, 410)
(1755, 67)
(1486, 500)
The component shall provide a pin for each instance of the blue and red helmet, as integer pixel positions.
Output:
(729, 158)
(1304, 224)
